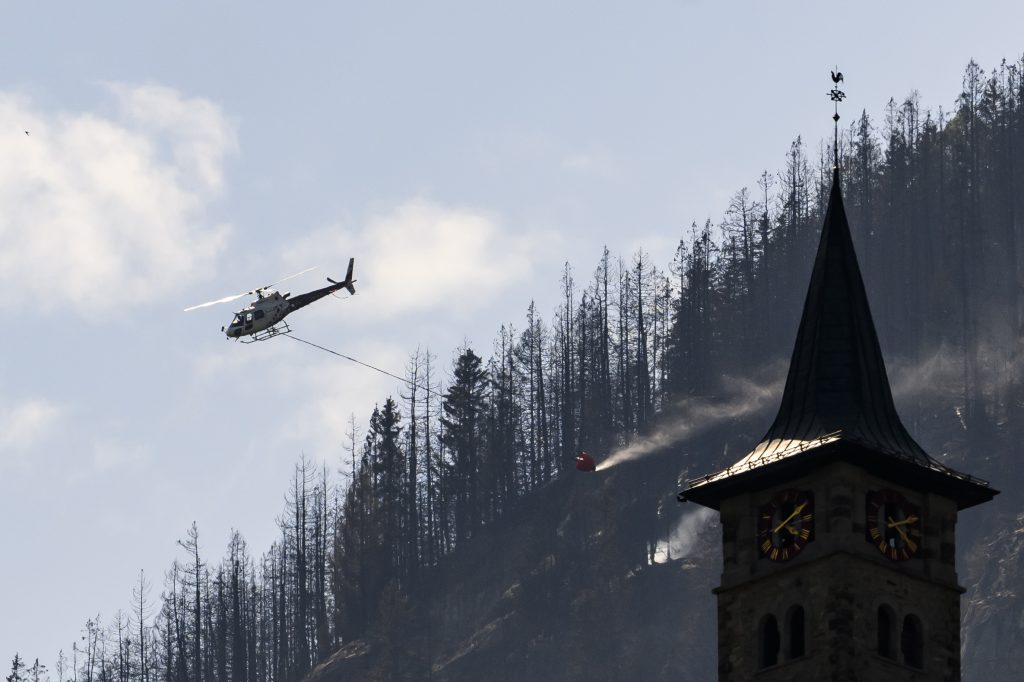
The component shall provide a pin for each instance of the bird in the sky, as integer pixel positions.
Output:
(837, 77)
(26, 132)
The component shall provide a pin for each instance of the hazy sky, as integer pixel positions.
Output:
(460, 151)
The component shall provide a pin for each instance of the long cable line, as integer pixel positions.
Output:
(360, 362)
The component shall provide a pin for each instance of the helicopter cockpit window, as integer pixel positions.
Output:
(237, 320)
(248, 317)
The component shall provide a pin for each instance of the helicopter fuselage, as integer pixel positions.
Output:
(272, 306)
(261, 314)
(258, 320)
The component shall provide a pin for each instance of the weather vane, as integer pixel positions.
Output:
(837, 96)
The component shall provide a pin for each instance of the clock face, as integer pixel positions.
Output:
(785, 525)
(893, 525)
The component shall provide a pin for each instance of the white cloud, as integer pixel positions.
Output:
(24, 425)
(225, 361)
(422, 255)
(99, 212)
(200, 135)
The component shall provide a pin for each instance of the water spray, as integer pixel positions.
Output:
(691, 416)
(682, 540)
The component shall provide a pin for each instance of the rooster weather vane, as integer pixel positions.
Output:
(837, 96)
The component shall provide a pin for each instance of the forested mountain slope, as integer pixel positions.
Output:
(937, 215)
(559, 589)
(463, 545)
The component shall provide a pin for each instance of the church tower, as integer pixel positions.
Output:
(838, 530)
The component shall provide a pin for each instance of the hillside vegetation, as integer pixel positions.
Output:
(460, 544)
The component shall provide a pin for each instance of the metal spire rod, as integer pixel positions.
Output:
(837, 96)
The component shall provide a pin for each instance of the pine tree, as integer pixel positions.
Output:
(464, 409)
(17, 670)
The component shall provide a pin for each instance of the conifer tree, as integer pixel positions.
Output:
(17, 673)
(464, 409)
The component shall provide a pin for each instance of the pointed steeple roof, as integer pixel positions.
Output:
(837, 383)
(837, 401)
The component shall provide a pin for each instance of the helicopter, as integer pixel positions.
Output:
(263, 318)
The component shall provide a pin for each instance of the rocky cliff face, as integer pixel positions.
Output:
(991, 559)
(993, 607)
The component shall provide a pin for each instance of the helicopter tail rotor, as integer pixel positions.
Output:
(348, 278)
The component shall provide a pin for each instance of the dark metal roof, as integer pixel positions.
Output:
(837, 389)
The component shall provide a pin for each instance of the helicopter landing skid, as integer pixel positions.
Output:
(269, 333)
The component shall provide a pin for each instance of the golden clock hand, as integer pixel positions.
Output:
(899, 528)
(792, 530)
(894, 524)
(903, 534)
(786, 520)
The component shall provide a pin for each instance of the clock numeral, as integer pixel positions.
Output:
(766, 546)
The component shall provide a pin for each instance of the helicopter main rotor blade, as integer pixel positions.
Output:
(283, 279)
(228, 299)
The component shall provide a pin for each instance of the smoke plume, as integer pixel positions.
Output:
(941, 373)
(938, 375)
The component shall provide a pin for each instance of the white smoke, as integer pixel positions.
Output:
(681, 541)
(940, 373)
(690, 416)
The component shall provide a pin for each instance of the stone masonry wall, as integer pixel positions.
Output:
(841, 595)
(840, 580)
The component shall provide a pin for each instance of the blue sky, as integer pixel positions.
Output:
(461, 151)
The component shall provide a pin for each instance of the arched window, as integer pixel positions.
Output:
(768, 644)
(912, 642)
(886, 632)
(795, 646)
